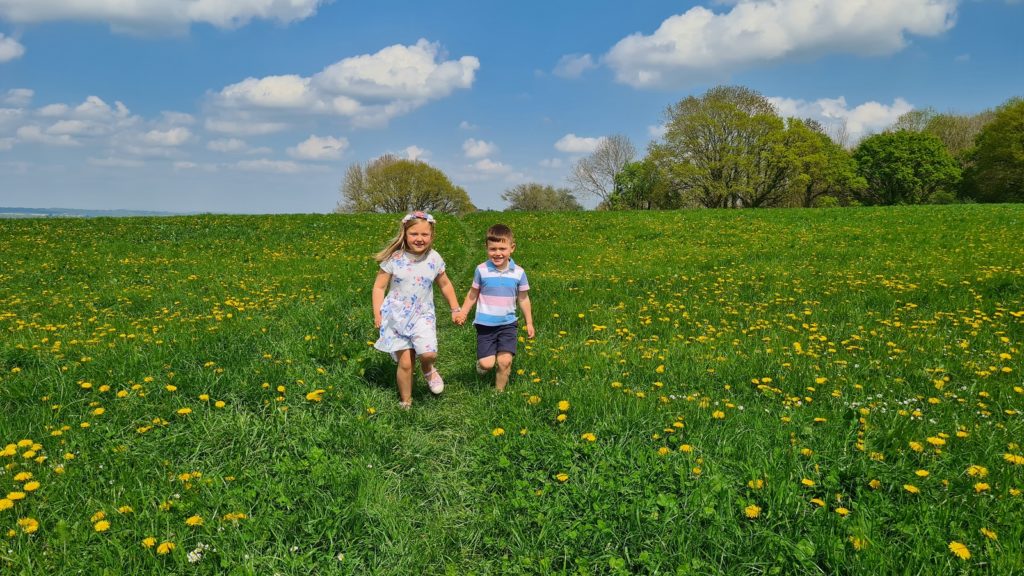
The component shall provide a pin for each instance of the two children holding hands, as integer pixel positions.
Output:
(403, 304)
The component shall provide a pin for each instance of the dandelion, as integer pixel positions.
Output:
(936, 441)
(959, 550)
(755, 484)
(818, 502)
(718, 415)
(498, 432)
(184, 411)
(234, 516)
(562, 417)
(1013, 459)
(916, 446)
(977, 471)
(589, 437)
(15, 496)
(563, 405)
(31, 486)
(911, 488)
(807, 482)
(922, 473)
(686, 448)
(101, 526)
(316, 395)
(875, 484)
(125, 510)
(22, 476)
(533, 400)
(98, 516)
(752, 511)
(165, 548)
(561, 476)
(990, 534)
(857, 543)
(663, 450)
(28, 525)
(6, 504)
(843, 511)
(148, 542)
(196, 520)
(980, 487)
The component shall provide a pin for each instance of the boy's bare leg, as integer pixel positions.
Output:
(504, 361)
(406, 358)
(484, 365)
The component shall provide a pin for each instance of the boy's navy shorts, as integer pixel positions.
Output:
(493, 339)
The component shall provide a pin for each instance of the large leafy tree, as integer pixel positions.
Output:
(726, 149)
(905, 167)
(393, 185)
(641, 186)
(594, 175)
(996, 172)
(533, 197)
(827, 172)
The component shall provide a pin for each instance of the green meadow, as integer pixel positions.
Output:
(736, 392)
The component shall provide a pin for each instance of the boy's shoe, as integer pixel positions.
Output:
(434, 381)
(480, 370)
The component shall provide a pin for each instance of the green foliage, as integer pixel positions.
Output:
(827, 173)
(904, 167)
(996, 172)
(534, 197)
(726, 149)
(389, 184)
(641, 186)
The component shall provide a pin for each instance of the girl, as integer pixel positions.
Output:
(406, 319)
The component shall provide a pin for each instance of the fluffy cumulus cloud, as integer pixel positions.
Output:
(18, 97)
(171, 137)
(474, 148)
(701, 45)
(275, 166)
(838, 117)
(574, 65)
(414, 153)
(369, 89)
(158, 15)
(10, 49)
(319, 148)
(573, 144)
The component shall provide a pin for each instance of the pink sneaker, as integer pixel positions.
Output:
(434, 381)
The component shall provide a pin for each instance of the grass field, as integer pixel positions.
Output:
(781, 392)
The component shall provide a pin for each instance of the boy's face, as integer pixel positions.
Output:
(499, 252)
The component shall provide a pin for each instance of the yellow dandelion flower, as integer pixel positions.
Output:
(718, 415)
(563, 405)
(533, 400)
(184, 411)
(959, 550)
(28, 525)
(980, 487)
(857, 543)
(589, 437)
(875, 484)
(15, 496)
(234, 516)
(818, 502)
(22, 476)
(911, 488)
(752, 511)
(755, 484)
(561, 476)
(196, 520)
(990, 534)
(663, 450)
(498, 432)
(165, 548)
(685, 448)
(1013, 459)
(6, 504)
(697, 471)
(562, 417)
(977, 471)
(316, 395)
(922, 473)
(807, 482)
(843, 511)
(148, 542)
(916, 446)
(936, 441)
(219, 404)
(101, 526)
(125, 510)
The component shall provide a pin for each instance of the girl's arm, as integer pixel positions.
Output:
(526, 307)
(448, 291)
(380, 286)
(469, 302)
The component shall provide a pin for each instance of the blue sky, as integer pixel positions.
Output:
(259, 106)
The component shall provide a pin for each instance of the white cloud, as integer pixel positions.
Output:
(319, 148)
(574, 65)
(51, 110)
(242, 126)
(35, 134)
(700, 45)
(478, 148)
(6, 143)
(162, 15)
(276, 166)
(370, 89)
(551, 163)
(178, 118)
(18, 97)
(467, 125)
(10, 49)
(488, 166)
(415, 152)
(227, 145)
(10, 116)
(112, 162)
(71, 127)
(574, 144)
(172, 137)
(860, 121)
(656, 131)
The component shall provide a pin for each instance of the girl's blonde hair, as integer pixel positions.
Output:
(398, 242)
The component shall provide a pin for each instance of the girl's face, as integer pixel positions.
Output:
(418, 237)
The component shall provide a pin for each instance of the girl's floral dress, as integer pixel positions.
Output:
(407, 315)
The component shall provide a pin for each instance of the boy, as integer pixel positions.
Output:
(499, 283)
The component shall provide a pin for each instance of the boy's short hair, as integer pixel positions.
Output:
(500, 232)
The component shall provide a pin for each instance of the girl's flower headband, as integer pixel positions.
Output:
(418, 214)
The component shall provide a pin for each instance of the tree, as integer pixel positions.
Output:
(726, 149)
(392, 185)
(826, 169)
(956, 131)
(533, 197)
(905, 168)
(640, 186)
(595, 174)
(996, 172)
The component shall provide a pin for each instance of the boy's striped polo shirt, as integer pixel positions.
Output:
(499, 289)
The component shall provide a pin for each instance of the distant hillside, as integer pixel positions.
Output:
(74, 213)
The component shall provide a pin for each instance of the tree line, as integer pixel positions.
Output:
(730, 148)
